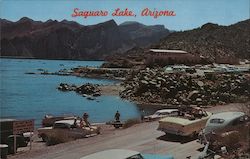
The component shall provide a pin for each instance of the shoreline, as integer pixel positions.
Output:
(127, 88)
(111, 89)
(34, 58)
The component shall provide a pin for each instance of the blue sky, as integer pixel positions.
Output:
(189, 13)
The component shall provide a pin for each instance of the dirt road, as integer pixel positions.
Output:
(142, 137)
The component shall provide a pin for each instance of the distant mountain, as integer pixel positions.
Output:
(212, 40)
(69, 40)
(143, 35)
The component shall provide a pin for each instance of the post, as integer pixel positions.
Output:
(14, 143)
(31, 139)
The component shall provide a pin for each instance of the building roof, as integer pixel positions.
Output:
(168, 51)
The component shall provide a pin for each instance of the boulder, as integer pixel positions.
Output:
(193, 95)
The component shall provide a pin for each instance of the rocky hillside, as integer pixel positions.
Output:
(216, 43)
(70, 40)
(143, 35)
(212, 40)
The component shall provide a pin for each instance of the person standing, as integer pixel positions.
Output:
(142, 115)
(117, 116)
(85, 119)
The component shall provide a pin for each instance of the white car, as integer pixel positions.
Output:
(224, 119)
(49, 120)
(161, 114)
(124, 154)
(219, 121)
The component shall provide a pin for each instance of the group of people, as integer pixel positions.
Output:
(191, 113)
(83, 121)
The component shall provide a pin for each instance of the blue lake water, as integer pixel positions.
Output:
(29, 96)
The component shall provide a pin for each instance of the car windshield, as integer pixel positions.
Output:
(61, 126)
(157, 113)
(138, 156)
(217, 121)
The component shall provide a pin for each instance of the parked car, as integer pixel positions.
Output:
(7, 137)
(185, 125)
(224, 119)
(124, 154)
(161, 114)
(67, 128)
(220, 121)
(49, 120)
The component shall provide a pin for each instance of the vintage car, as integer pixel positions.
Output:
(161, 114)
(68, 128)
(224, 119)
(49, 120)
(124, 154)
(184, 125)
(220, 123)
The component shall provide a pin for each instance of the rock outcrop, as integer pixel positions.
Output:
(86, 90)
(155, 86)
(107, 73)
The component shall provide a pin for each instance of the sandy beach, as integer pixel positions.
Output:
(111, 89)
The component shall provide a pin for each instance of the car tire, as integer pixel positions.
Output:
(98, 131)
(11, 149)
